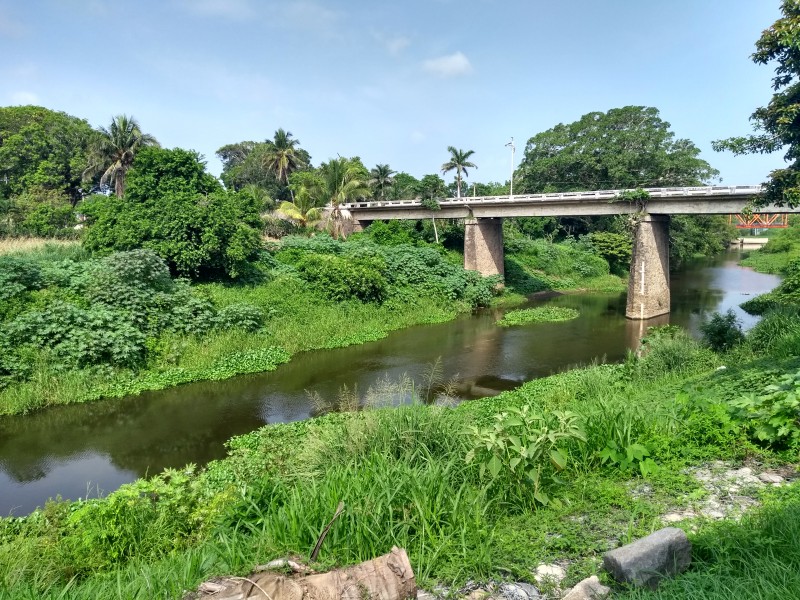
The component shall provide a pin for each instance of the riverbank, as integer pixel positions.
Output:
(307, 295)
(628, 438)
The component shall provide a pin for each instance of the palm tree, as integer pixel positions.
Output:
(303, 210)
(115, 149)
(459, 160)
(380, 179)
(345, 181)
(284, 156)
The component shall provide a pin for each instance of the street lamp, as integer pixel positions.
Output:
(511, 187)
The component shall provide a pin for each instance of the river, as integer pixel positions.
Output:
(91, 449)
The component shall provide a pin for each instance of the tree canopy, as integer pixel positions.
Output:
(114, 150)
(173, 207)
(627, 147)
(777, 125)
(459, 162)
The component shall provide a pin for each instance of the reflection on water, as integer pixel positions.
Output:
(77, 449)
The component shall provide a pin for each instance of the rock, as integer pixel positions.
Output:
(588, 589)
(549, 573)
(478, 595)
(675, 517)
(519, 591)
(771, 478)
(644, 562)
(423, 595)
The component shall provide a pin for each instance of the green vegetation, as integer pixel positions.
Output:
(76, 328)
(754, 559)
(586, 439)
(776, 127)
(540, 314)
(536, 265)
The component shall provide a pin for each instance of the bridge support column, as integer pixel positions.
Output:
(648, 286)
(483, 246)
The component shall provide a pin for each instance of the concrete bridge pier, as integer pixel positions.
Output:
(648, 286)
(483, 246)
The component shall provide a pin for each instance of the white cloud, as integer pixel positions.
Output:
(22, 98)
(229, 9)
(451, 65)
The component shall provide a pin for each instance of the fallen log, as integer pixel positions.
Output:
(388, 577)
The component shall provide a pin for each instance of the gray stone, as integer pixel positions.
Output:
(519, 591)
(645, 562)
(549, 573)
(588, 589)
(770, 478)
(423, 595)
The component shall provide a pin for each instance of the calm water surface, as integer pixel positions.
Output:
(94, 448)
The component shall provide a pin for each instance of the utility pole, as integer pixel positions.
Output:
(511, 186)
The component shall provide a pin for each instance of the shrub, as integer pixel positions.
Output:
(522, 451)
(773, 416)
(242, 315)
(722, 332)
(340, 279)
(77, 336)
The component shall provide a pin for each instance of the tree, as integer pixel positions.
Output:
(41, 149)
(302, 211)
(404, 187)
(777, 124)
(431, 188)
(380, 178)
(459, 160)
(284, 156)
(344, 180)
(115, 149)
(624, 148)
(627, 147)
(175, 208)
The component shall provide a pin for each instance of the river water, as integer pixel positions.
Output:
(91, 449)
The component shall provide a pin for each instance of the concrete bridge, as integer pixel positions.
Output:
(648, 285)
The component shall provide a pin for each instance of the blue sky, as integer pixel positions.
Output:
(391, 81)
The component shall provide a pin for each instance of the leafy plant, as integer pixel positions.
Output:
(523, 450)
(773, 416)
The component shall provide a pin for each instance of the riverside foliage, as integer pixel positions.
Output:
(404, 477)
(76, 328)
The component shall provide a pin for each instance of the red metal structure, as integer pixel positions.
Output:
(759, 221)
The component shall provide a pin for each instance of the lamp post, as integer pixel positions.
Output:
(511, 186)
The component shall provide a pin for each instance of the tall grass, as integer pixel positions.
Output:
(39, 245)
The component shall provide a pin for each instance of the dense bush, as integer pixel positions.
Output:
(173, 207)
(722, 332)
(340, 279)
(99, 312)
(399, 272)
(242, 315)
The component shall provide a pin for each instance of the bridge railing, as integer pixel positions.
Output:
(607, 195)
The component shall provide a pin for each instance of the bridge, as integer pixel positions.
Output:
(648, 285)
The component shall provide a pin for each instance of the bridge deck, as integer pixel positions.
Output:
(683, 200)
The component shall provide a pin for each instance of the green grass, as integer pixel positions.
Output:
(403, 477)
(755, 559)
(541, 314)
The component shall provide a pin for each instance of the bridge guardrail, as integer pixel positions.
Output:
(687, 192)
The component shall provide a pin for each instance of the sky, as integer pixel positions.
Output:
(392, 81)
